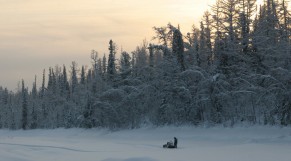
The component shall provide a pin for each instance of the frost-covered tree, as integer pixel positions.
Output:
(206, 22)
(111, 69)
(83, 76)
(247, 9)
(161, 35)
(74, 78)
(141, 55)
(151, 55)
(204, 50)
(64, 84)
(104, 66)
(24, 119)
(164, 36)
(192, 47)
(178, 48)
(94, 58)
(125, 65)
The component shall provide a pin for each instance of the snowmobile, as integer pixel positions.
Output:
(171, 145)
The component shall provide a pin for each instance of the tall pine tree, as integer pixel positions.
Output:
(178, 48)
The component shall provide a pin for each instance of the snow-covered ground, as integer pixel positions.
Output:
(145, 144)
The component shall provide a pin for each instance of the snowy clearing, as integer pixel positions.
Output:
(194, 144)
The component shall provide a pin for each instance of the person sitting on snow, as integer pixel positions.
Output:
(175, 142)
(171, 145)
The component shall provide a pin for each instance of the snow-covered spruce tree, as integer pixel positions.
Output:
(85, 98)
(12, 111)
(59, 99)
(42, 89)
(151, 55)
(34, 116)
(49, 101)
(125, 66)
(42, 101)
(88, 118)
(141, 55)
(94, 58)
(83, 75)
(75, 106)
(35, 106)
(64, 84)
(4, 95)
(111, 69)
(24, 120)
(99, 64)
(52, 81)
(1, 107)
(104, 67)
(96, 75)
(74, 79)
(34, 89)
(178, 48)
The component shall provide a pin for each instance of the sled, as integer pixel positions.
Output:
(171, 145)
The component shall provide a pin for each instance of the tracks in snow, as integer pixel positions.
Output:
(52, 147)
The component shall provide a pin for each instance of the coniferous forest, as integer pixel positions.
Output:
(235, 67)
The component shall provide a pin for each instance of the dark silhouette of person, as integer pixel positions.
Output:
(171, 145)
(175, 142)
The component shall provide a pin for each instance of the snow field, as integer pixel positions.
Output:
(145, 144)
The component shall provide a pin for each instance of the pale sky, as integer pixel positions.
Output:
(37, 34)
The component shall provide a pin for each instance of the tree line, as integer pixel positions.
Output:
(234, 68)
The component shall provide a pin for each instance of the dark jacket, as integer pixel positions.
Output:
(175, 142)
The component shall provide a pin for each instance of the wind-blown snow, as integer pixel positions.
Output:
(194, 144)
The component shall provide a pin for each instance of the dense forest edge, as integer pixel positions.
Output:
(234, 68)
